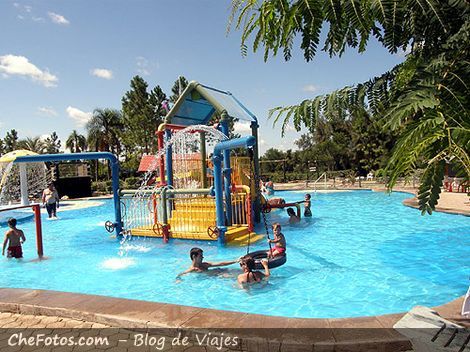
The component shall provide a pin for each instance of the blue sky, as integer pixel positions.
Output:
(59, 60)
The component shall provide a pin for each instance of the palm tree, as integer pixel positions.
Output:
(76, 142)
(34, 144)
(425, 100)
(104, 129)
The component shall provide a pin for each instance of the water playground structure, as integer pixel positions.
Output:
(195, 187)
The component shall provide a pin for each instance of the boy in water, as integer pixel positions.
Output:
(279, 240)
(307, 204)
(198, 266)
(249, 276)
(14, 238)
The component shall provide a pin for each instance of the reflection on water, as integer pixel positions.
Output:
(118, 263)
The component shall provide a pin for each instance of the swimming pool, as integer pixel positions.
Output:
(363, 253)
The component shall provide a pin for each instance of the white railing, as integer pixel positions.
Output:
(324, 176)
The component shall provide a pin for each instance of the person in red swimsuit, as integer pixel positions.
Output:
(13, 238)
(279, 240)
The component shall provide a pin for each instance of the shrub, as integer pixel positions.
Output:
(132, 183)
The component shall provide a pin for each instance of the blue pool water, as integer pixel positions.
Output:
(363, 253)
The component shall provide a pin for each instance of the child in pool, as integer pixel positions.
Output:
(13, 238)
(279, 240)
(293, 218)
(307, 204)
(249, 275)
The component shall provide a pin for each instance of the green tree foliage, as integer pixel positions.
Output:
(34, 144)
(104, 130)
(52, 144)
(11, 141)
(76, 142)
(2, 147)
(142, 113)
(424, 100)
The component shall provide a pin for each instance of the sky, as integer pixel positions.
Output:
(60, 60)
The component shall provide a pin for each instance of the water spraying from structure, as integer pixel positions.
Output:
(186, 161)
(20, 182)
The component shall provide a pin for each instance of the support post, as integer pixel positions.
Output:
(24, 184)
(37, 219)
(219, 201)
(165, 229)
(203, 160)
(161, 161)
(254, 186)
(169, 159)
(227, 172)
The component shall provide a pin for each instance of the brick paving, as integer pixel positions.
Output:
(11, 320)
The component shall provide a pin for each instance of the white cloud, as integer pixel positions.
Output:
(47, 111)
(145, 67)
(102, 73)
(262, 142)
(58, 19)
(81, 118)
(241, 127)
(310, 88)
(26, 13)
(19, 65)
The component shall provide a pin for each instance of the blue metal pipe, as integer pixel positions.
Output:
(243, 142)
(86, 156)
(227, 172)
(169, 159)
(219, 198)
(220, 147)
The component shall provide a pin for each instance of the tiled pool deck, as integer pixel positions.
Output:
(50, 309)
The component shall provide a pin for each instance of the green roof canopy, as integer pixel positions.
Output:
(198, 103)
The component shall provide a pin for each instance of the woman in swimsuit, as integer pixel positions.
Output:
(249, 276)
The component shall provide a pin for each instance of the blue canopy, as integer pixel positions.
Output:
(198, 103)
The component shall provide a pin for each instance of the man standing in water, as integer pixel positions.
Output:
(50, 198)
